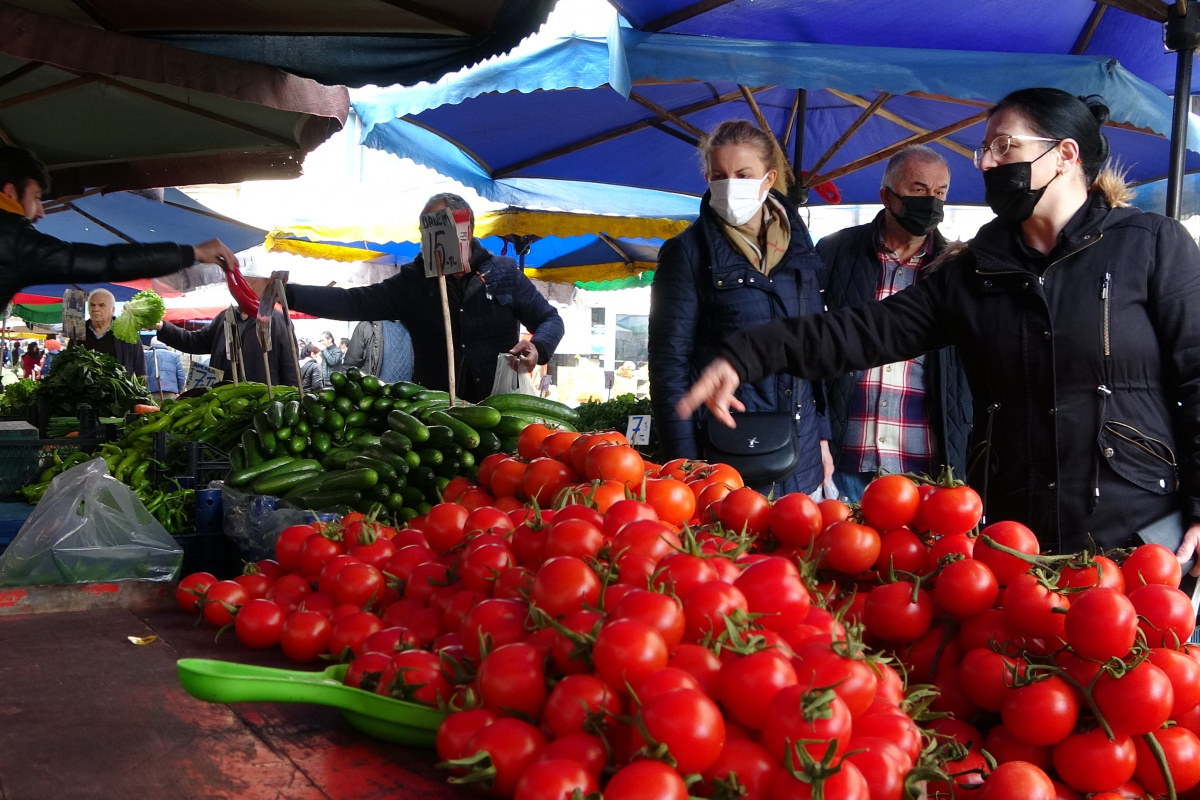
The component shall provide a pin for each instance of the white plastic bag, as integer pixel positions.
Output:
(826, 491)
(510, 379)
(89, 527)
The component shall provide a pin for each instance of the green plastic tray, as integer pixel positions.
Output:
(382, 717)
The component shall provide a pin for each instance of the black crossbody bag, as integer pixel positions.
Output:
(764, 447)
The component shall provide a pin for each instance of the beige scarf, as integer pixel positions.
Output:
(767, 248)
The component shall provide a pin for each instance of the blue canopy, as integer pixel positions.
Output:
(123, 217)
(492, 130)
(1061, 27)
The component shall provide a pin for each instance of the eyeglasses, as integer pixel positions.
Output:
(1001, 145)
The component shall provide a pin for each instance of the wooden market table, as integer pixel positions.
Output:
(86, 713)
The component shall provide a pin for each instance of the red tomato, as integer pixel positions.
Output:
(190, 591)
(575, 699)
(665, 680)
(583, 748)
(1136, 703)
(854, 680)
(847, 783)
(767, 671)
(848, 548)
(901, 549)
(1042, 713)
(1016, 779)
(1101, 624)
(365, 670)
(752, 765)
(682, 572)
(646, 780)
(350, 632)
(706, 606)
(786, 726)
(513, 746)
(892, 613)
(1100, 571)
(512, 680)
(662, 612)
(890, 502)
(255, 583)
(1033, 609)
(745, 510)
(563, 585)
(987, 677)
(951, 511)
(688, 723)
(700, 662)
(258, 624)
(498, 622)
(1010, 534)
(316, 552)
(529, 440)
(773, 588)
(1184, 672)
(287, 546)
(627, 651)
(304, 636)
(1151, 564)
(1166, 615)
(482, 565)
(555, 779)
(445, 525)
(1181, 748)
(795, 520)
(544, 479)
(966, 588)
(359, 585)
(222, 600)
(1089, 762)
(646, 538)
(455, 732)
(415, 676)
(615, 462)
(580, 538)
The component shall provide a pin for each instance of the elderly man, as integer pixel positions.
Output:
(488, 305)
(28, 257)
(913, 416)
(99, 336)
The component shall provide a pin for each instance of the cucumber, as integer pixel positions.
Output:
(338, 380)
(439, 436)
(466, 460)
(326, 499)
(431, 394)
(343, 405)
(413, 458)
(354, 374)
(291, 413)
(297, 445)
(395, 441)
(430, 456)
(529, 404)
(292, 465)
(274, 414)
(383, 405)
(371, 384)
(321, 441)
(365, 439)
(512, 423)
(366, 404)
(412, 496)
(478, 417)
(386, 471)
(357, 480)
(354, 391)
(335, 423)
(356, 419)
(380, 492)
(398, 462)
(404, 390)
(254, 453)
(489, 443)
(422, 477)
(283, 434)
(339, 457)
(311, 481)
(327, 397)
(316, 415)
(407, 424)
(266, 431)
(278, 485)
(302, 428)
(242, 477)
(237, 458)
(422, 407)
(464, 435)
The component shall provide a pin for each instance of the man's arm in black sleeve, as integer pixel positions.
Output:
(45, 259)
(198, 342)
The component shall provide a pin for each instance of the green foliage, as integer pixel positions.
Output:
(18, 397)
(144, 310)
(613, 415)
(82, 375)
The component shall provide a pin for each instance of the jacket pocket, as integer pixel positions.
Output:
(1139, 458)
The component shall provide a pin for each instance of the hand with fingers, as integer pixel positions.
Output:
(214, 251)
(714, 389)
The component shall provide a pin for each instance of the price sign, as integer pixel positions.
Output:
(202, 376)
(446, 241)
(637, 431)
(74, 309)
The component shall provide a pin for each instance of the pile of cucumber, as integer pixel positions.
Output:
(376, 447)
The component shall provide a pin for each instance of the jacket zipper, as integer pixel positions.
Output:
(1042, 277)
(1104, 291)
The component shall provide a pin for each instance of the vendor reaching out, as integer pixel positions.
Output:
(488, 305)
(28, 257)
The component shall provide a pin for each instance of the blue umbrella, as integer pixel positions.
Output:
(681, 86)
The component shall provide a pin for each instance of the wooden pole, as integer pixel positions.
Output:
(232, 350)
(267, 375)
(287, 317)
(154, 356)
(449, 331)
(846, 134)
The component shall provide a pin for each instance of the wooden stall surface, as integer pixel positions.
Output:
(86, 713)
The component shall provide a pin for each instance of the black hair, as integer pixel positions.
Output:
(1056, 114)
(18, 166)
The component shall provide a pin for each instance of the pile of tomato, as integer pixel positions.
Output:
(591, 621)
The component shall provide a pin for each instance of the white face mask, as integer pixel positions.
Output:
(736, 200)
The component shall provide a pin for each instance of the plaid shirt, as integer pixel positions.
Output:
(886, 427)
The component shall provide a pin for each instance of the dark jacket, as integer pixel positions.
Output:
(851, 277)
(211, 339)
(704, 291)
(366, 347)
(331, 361)
(1086, 381)
(164, 363)
(127, 354)
(28, 257)
(311, 379)
(487, 309)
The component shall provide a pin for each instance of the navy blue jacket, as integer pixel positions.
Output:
(487, 309)
(703, 291)
(851, 277)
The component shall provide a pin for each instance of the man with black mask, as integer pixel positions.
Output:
(911, 416)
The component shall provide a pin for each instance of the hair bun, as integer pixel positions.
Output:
(1095, 104)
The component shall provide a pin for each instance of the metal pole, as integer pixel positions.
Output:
(799, 194)
(1179, 129)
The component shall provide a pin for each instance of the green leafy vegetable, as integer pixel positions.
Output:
(144, 310)
(82, 375)
(18, 397)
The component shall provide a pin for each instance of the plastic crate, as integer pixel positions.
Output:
(23, 460)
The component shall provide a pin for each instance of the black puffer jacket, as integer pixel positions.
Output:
(851, 277)
(1086, 381)
(28, 257)
(703, 291)
(487, 309)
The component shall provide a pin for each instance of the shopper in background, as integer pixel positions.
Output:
(331, 356)
(53, 347)
(746, 260)
(381, 348)
(164, 370)
(311, 379)
(1075, 318)
(912, 416)
(30, 361)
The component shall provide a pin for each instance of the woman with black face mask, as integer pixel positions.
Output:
(1075, 321)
